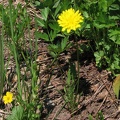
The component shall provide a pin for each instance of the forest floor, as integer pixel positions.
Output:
(95, 85)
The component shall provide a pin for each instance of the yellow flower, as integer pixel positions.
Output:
(70, 20)
(8, 98)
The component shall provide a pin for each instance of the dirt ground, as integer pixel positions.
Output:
(95, 85)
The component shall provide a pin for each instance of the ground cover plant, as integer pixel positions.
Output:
(57, 57)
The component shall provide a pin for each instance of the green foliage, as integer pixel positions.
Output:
(18, 21)
(2, 69)
(15, 21)
(98, 117)
(102, 26)
(56, 49)
(25, 112)
(70, 97)
(17, 113)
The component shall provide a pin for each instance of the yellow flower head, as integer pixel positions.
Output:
(70, 20)
(8, 98)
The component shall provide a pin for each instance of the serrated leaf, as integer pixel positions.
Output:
(52, 35)
(103, 5)
(116, 86)
(44, 13)
(57, 10)
(43, 36)
(55, 26)
(17, 113)
(64, 43)
(114, 35)
(40, 22)
(56, 4)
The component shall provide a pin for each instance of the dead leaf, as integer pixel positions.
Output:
(116, 86)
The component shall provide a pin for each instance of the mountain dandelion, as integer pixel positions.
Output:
(8, 98)
(70, 20)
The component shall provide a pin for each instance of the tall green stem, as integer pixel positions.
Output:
(78, 64)
(14, 49)
(2, 77)
(1, 66)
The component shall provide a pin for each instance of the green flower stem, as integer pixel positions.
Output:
(2, 77)
(14, 49)
(1, 66)
(78, 64)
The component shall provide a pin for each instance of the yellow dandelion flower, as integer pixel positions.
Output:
(8, 98)
(70, 20)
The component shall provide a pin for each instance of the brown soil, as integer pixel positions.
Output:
(95, 86)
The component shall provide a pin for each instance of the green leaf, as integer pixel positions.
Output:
(98, 56)
(90, 117)
(55, 26)
(68, 77)
(56, 4)
(103, 5)
(57, 10)
(37, 3)
(43, 36)
(40, 22)
(44, 13)
(17, 113)
(64, 43)
(54, 55)
(52, 35)
(114, 35)
(116, 86)
(100, 116)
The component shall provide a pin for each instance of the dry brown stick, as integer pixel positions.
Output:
(109, 92)
(101, 105)
(3, 112)
(98, 91)
(115, 113)
(58, 111)
(87, 102)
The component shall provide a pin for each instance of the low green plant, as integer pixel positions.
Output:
(58, 41)
(100, 27)
(70, 97)
(15, 21)
(57, 36)
(98, 117)
(103, 29)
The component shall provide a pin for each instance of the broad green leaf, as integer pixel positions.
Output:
(54, 26)
(57, 10)
(103, 5)
(116, 86)
(99, 54)
(114, 7)
(44, 13)
(43, 36)
(64, 43)
(56, 4)
(54, 55)
(90, 117)
(114, 35)
(40, 22)
(37, 3)
(52, 35)
(17, 113)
